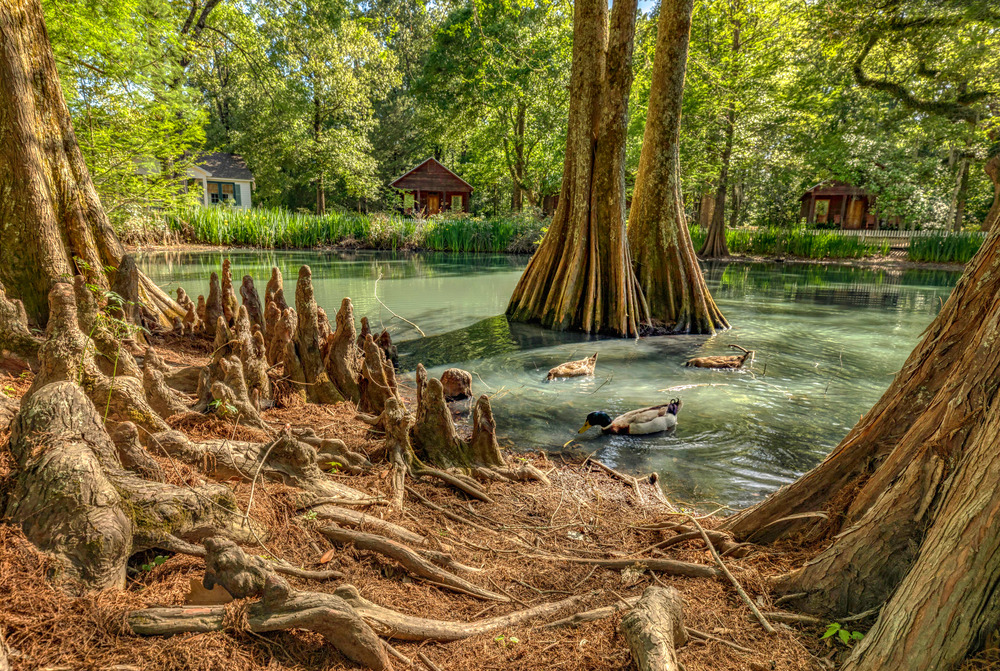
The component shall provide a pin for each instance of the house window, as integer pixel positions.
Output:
(408, 201)
(456, 203)
(822, 208)
(223, 192)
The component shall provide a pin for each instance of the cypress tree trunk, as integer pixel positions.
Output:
(581, 277)
(665, 261)
(50, 213)
(913, 495)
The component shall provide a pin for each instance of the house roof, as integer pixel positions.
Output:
(427, 162)
(221, 165)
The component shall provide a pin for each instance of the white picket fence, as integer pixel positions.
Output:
(894, 238)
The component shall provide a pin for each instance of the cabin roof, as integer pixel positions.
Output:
(833, 187)
(220, 165)
(438, 171)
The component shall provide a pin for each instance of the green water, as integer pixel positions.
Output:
(828, 341)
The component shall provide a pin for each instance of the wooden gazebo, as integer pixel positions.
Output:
(431, 188)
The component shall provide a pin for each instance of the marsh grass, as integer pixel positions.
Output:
(804, 244)
(946, 247)
(280, 229)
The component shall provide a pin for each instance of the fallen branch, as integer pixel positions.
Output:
(668, 566)
(709, 637)
(174, 544)
(422, 334)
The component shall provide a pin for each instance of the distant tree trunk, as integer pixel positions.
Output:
(581, 277)
(992, 169)
(736, 202)
(317, 138)
(961, 192)
(715, 242)
(911, 496)
(706, 208)
(665, 262)
(50, 214)
(516, 163)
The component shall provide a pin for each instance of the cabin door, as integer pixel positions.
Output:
(855, 212)
(433, 203)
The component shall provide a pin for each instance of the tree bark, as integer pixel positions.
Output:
(665, 262)
(961, 193)
(992, 168)
(581, 278)
(51, 219)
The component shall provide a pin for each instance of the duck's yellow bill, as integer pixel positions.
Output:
(586, 425)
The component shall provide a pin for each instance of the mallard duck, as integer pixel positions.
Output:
(730, 361)
(574, 368)
(637, 422)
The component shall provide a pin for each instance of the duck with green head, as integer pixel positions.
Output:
(653, 419)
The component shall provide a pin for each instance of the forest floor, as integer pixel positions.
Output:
(585, 513)
(894, 261)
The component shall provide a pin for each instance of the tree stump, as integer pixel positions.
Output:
(654, 629)
(457, 384)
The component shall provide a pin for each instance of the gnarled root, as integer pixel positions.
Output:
(654, 628)
(95, 518)
(251, 301)
(133, 456)
(164, 400)
(15, 337)
(410, 559)
(285, 460)
(68, 354)
(280, 608)
(113, 357)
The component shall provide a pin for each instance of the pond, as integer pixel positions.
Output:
(828, 341)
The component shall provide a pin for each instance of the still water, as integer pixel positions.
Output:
(828, 341)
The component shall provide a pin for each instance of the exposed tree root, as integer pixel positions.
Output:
(279, 608)
(409, 559)
(96, 519)
(15, 337)
(654, 629)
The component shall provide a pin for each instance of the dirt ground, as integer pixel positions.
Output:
(516, 543)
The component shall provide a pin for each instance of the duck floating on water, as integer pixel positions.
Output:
(573, 368)
(653, 419)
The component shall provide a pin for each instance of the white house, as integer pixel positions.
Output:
(221, 178)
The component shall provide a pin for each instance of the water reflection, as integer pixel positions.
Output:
(828, 340)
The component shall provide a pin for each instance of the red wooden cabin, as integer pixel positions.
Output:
(834, 202)
(430, 188)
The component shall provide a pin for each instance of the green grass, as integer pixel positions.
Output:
(805, 244)
(272, 228)
(945, 247)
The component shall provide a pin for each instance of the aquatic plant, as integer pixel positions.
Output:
(805, 244)
(946, 247)
(275, 228)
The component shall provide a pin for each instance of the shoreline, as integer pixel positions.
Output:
(890, 263)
